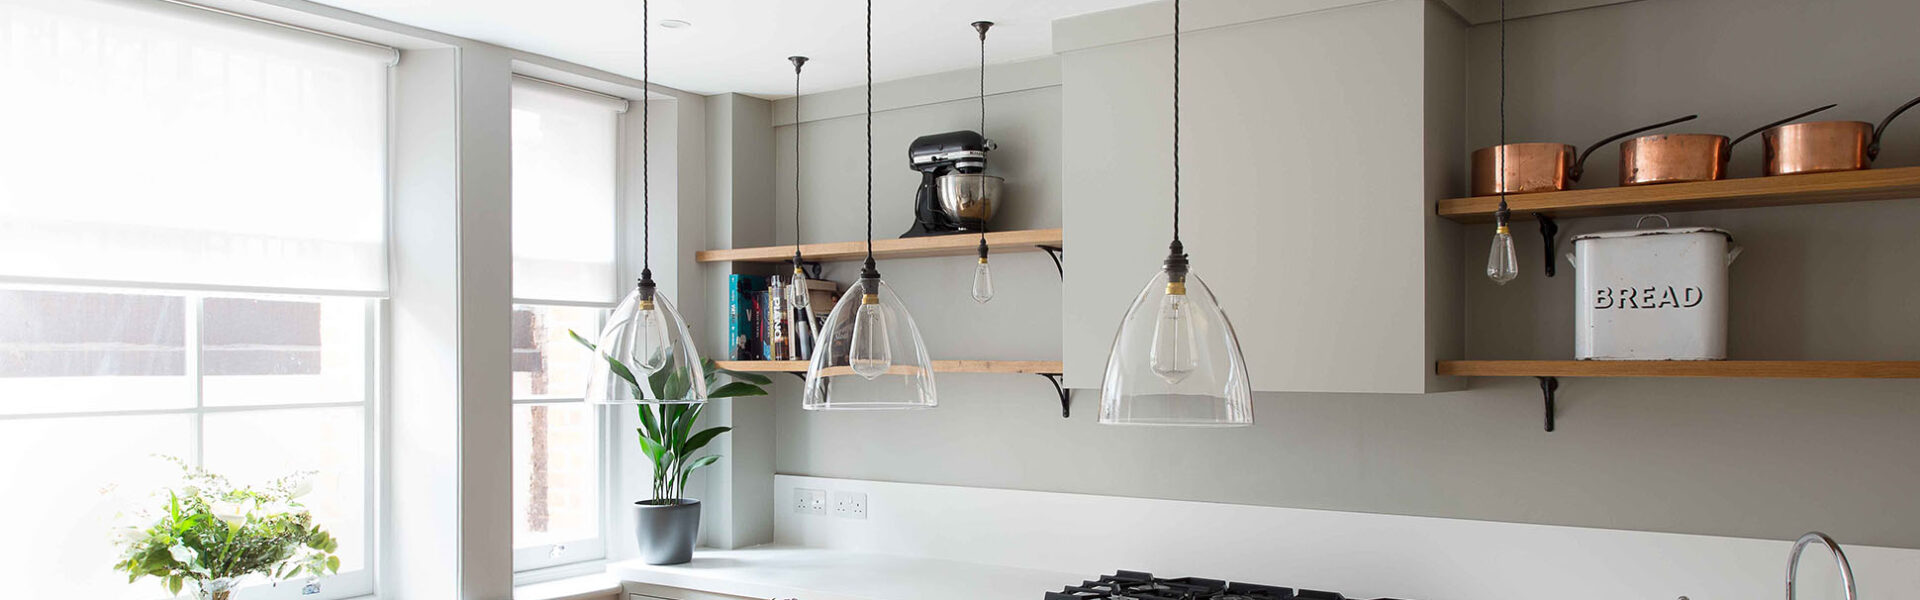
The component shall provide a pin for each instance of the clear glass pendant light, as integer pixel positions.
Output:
(1176, 360)
(648, 354)
(1503, 265)
(869, 355)
(982, 275)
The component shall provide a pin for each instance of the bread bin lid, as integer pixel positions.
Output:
(1627, 233)
(1637, 232)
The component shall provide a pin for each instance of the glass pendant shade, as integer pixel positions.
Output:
(869, 355)
(1176, 361)
(649, 340)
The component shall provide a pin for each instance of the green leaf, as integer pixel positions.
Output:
(583, 341)
(753, 378)
(333, 564)
(697, 464)
(649, 428)
(736, 389)
(173, 585)
(678, 384)
(657, 382)
(682, 427)
(621, 370)
(699, 440)
(651, 448)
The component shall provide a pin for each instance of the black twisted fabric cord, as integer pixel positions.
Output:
(1176, 121)
(869, 266)
(983, 131)
(1500, 160)
(797, 61)
(646, 154)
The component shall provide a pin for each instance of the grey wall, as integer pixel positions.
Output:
(1753, 458)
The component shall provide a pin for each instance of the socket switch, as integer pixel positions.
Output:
(850, 505)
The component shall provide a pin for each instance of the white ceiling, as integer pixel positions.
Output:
(743, 45)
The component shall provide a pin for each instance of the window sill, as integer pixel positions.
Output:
(598, 586)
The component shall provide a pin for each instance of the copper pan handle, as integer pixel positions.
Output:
(1580, 166)
(1781, 122)
(1873, 149)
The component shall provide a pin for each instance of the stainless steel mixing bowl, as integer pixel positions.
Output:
(969, 197)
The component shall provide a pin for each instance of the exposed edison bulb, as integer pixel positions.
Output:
(651, 345)
(982, 283)
(1502, 264)
(1171, 356)
(869, 353)
(797, 296)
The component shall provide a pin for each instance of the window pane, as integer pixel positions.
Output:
(84, 351)
(284, 351)
(547, 363)
(556, 474)
(564, 146)
(61, 506)
(256, 446)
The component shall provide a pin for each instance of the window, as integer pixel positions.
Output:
(192, 264)
(565, 148)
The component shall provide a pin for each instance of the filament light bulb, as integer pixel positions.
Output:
(1171, 355)
(1502, 264)
(982, 283)
(797, 296)
(869, 353)
(651, 346)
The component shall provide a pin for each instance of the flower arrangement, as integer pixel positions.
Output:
(212, 534)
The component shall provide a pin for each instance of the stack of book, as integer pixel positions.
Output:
(763, 327)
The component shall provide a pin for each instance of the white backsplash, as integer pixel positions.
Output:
(1359, 554)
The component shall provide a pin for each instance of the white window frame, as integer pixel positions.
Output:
(353, 584)
(544, 557)
(539, 563)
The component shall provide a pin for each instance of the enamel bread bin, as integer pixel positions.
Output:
(1652, 294)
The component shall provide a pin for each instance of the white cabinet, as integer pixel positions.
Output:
(1313, 147)
(642, 591)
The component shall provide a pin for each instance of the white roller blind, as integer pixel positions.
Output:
(564, 152)
(143, 144)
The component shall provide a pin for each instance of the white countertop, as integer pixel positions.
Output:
(777, 571)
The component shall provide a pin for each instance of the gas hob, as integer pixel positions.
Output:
(1135, 585)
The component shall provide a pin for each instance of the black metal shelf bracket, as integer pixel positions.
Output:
(1066, 395)
(1548, 231)
(801, 374)
(1549, 385)
(1055, 252)
(814, 269)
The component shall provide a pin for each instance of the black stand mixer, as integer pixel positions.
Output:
(935, 156)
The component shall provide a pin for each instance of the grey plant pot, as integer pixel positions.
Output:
(666, 532)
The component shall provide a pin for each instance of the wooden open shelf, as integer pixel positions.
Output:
(1031, 367)
(1753, 192)
(1028, 240)
(1765, 369)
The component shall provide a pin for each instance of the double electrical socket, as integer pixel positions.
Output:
(846, 505)
(809, 502)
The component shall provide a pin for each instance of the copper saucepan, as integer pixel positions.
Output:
(1824, 146)
(1678, 157)
(1538, 166)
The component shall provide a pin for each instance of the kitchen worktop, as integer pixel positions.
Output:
(781, 571)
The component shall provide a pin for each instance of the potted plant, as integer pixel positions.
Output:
(212, 535)
(668, 524)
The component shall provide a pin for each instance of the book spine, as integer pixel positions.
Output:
(735, 345)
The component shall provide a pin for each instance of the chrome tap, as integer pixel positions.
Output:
(1793, 562)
